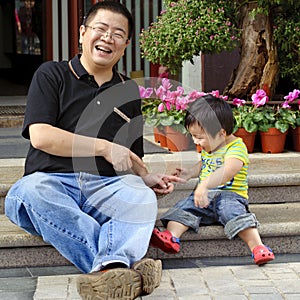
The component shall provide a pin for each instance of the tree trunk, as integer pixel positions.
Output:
(258, 67)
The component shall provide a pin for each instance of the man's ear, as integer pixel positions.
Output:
(126, 45)
(81, 33)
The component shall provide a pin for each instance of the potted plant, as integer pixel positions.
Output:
(245, 122)
(164, 109)
(273, 122)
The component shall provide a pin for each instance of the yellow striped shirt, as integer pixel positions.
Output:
(212, 161)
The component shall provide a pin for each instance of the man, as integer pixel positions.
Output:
(86, 190)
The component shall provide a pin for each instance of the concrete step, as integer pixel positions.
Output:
(12, 111)
(273, 178)
(265, 188)
(280, 229)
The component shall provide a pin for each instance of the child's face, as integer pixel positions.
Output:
(206, 141)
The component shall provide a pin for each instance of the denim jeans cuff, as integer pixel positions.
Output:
(178, 215)
(239, 223)
(108, 260)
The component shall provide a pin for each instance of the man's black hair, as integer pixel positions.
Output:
(112, 6)
(211, 113)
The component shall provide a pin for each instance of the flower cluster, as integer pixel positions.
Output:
(165, 105)
(261, 116)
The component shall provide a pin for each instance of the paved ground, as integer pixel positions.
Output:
(183, 279)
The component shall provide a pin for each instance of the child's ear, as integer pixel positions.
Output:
(223, 132)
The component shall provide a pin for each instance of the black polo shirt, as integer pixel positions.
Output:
(64, 95)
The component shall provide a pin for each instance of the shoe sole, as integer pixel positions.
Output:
(151, 271)
(264, 260)
(117, 283)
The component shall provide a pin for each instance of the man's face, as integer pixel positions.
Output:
(104, 39)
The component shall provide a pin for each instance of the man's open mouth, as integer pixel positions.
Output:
(98, 48)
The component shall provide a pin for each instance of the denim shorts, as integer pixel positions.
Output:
(226, 208)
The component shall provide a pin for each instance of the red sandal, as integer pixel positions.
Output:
(262, 254)
(165, 241)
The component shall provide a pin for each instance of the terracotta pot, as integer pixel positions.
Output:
(176, 141)
(272, 141)
(160, 136)
(248, 138)
(296, 138)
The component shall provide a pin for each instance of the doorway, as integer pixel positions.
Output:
(21, 53)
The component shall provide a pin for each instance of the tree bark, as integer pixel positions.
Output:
(258, 67)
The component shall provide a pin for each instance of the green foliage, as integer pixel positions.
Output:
(275, 116)
(187, 27)
(287, 37)
(154, 118)
(245, 117)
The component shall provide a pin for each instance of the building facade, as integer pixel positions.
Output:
(34, 31)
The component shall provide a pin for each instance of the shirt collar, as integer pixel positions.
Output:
(79, 71)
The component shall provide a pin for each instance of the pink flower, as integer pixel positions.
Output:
(145, 92)
(216, 93)
(193, 95)
(161, 107)
(165, 83)
(179, 91)
(160, 92)
(286, 104)
(238, 102)
(168, 105)
(225, 98)
(260, 98)
(181, 103)
(292, 95)
(171, 97)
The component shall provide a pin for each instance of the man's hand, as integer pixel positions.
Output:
(162, 183)
(122, 158)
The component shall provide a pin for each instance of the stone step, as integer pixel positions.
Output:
(273, 178)
(280, 229)
(12, 111)
(265, 188)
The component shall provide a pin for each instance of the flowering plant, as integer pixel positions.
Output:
(164, 106)
(187, 27)
(262, 116)
(244, 116)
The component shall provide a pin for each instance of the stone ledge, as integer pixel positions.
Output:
(280, 229)
(286, 222)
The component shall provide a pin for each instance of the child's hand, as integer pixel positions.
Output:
(201, 197)
(161, 183)
(183, 173)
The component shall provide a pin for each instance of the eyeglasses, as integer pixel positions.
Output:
(101, 32)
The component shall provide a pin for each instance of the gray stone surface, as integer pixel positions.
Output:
(187, 279)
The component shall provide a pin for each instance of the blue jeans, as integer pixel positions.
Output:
(226, 208)
(91, 220)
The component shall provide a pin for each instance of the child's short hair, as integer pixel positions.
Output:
(211, 113)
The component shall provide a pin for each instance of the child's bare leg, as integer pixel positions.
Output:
(251, 237)
(177, 229)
